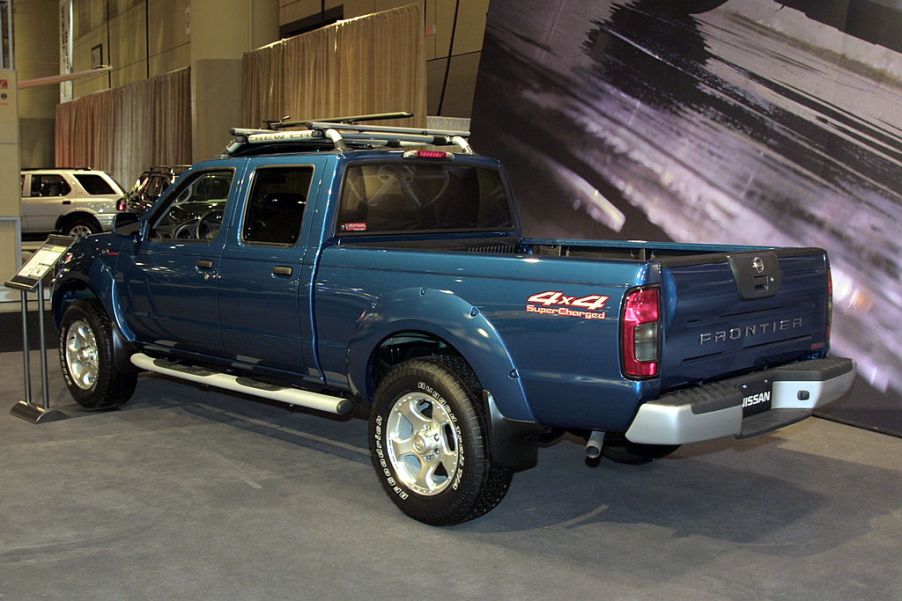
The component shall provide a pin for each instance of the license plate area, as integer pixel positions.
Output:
(757, 396)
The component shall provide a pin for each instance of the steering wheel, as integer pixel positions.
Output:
(184, 230)
(208, 224)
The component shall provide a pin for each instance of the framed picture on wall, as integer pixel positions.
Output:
(96, 56)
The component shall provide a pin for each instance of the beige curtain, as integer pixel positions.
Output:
(125, 130)
(371, 64)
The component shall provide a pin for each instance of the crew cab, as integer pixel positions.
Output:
(333, 267)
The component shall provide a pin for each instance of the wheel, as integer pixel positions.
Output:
(81, 226)
(618, 449)
(86, 356)
(429, 445)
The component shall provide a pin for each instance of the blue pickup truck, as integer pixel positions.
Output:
(347, 265)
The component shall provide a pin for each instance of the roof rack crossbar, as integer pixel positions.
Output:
(283, 123)
(344, 133)
(385, 129)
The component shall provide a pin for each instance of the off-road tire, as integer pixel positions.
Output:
(477, 485)
(112, 387)
(619, 450)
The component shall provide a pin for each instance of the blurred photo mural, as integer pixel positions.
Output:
(749, 122)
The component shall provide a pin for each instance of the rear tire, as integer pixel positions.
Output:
(619, 450)
(80, 226)
(429, 446)
(86, 356)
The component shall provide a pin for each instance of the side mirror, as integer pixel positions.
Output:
(127, 224)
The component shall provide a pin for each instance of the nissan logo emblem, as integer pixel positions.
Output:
(758, 264)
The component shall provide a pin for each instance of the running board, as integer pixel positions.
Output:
(292, 396)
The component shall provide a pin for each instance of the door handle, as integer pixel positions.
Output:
(204, 264)
(282, 270)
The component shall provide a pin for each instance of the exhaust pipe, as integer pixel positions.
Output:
(594, 444)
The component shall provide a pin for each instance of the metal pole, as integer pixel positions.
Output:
(25, 353)
(11, 55)
(45, 381)
(2, 25)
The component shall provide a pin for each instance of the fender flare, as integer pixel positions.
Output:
(123, 346)
(457, 322)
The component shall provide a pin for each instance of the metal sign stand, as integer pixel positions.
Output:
(30, 277)
(26, 409)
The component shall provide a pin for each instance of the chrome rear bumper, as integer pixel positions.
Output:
(714, 410)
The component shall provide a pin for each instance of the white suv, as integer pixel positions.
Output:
(77, 202)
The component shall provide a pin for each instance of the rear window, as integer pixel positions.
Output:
(94, 184)
(411, 196)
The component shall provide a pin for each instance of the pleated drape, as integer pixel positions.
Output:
(371, 64)
(125, 130)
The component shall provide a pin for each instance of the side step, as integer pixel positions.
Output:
(292, 396)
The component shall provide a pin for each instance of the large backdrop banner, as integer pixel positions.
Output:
(743, 121)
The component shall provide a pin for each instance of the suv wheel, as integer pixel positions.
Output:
(86, 356)
(80, 227)
(429, 445)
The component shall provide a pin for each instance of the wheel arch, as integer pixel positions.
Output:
(77, 213)
(449, 323)
(78, 287)
(67, 292)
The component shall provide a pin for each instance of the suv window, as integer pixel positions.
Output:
(399, 197)
(275, 208)
(196, 209)
(94, 184)
(49, 185)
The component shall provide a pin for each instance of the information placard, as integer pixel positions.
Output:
(41, 263)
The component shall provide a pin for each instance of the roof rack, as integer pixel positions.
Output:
(65, 168)
(342, 134)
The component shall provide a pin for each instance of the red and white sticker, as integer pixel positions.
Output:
(353, 227)
(553, 302)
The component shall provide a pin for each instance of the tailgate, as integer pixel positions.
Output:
(732, 313)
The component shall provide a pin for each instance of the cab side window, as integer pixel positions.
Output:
(49, 185)
(275, 208)
(195, 211)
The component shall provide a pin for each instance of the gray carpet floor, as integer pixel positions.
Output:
(188, 493)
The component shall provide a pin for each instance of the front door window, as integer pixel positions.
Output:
(196, 211)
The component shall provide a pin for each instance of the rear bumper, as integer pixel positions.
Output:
(714, 410)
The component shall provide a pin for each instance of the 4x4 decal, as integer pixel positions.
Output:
(553, 302)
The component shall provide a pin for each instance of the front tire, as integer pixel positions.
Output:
(429, 446)
(86, 356)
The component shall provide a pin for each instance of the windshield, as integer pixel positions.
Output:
(417, 196)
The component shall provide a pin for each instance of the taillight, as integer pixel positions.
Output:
(120, 205)
(428, 154)
(639, 332)
(829, 303)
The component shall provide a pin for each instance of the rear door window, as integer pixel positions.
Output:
(275, 208)
(48, 185)
(408, 196)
